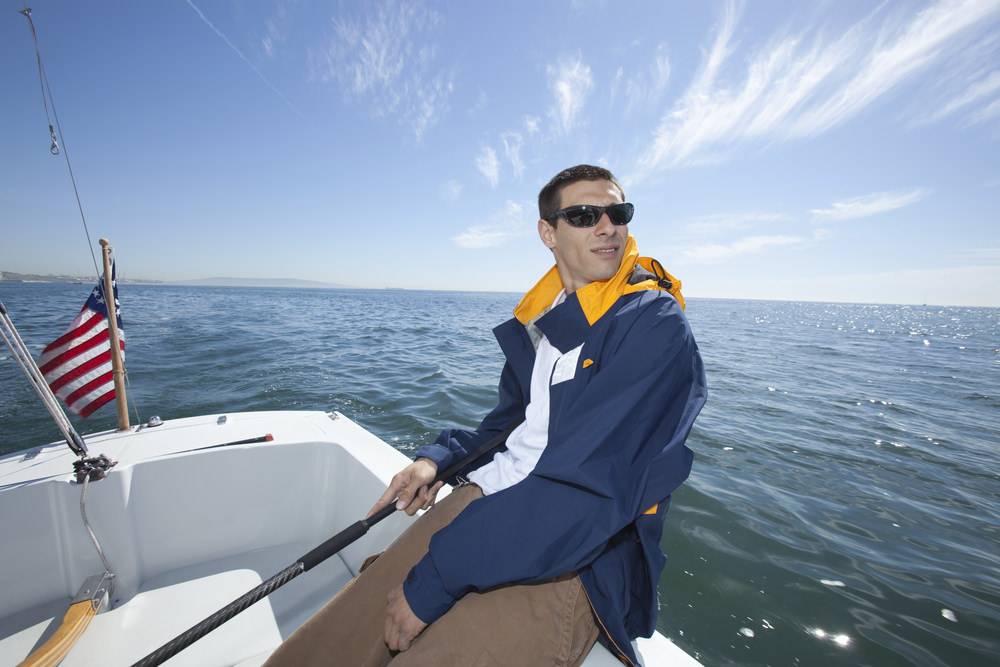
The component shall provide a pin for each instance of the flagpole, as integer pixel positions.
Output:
(116, 354)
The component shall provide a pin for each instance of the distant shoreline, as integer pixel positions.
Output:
(221, 281)
(414, 290)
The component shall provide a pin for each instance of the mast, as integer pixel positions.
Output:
(117, 367)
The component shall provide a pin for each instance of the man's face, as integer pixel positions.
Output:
(586, 254)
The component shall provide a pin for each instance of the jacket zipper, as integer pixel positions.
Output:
(621, 654)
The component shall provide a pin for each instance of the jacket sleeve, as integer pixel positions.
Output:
(633, 415)
(455, 444)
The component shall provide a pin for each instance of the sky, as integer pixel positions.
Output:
(823, 151)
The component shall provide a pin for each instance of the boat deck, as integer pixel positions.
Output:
(189, 531)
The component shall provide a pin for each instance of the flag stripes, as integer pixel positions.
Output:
(77, 365)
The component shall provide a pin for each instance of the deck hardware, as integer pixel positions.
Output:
(92, 468)
(154, 421)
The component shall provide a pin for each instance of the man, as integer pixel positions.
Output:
(554, 541)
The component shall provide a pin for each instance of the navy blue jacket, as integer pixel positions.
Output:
(596, 501)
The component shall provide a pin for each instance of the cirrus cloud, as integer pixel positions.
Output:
(385, 59)
(489, 165)
(507, 224)
(571, 82)
(802, 85)
(868, 205)
(718, 252)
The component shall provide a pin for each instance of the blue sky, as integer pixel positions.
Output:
(843, 151)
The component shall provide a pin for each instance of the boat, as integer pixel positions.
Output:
(195, 513)
(118, 543)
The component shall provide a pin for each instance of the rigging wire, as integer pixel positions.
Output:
(56, 135)
(49, 101)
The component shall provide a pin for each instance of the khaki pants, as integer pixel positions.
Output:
(536, 624)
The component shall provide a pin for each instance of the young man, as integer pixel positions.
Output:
(554, 542)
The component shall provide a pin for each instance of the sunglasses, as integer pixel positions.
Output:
(588, 215)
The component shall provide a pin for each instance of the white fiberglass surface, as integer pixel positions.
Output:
(185, 534)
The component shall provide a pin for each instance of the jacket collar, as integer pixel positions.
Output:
(596, 298)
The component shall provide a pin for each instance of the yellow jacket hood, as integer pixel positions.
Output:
(597, 297)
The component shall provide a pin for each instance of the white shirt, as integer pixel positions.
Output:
(527, 442)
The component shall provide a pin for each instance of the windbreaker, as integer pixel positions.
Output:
(596, 501)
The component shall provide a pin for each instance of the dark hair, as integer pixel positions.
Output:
(548, 198)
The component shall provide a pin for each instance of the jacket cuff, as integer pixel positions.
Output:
(425, 592)
(440, 455)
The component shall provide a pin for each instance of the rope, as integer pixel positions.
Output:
(131, 396)
(54, 146)
(128, 383)
(47, 101)
(108, 572)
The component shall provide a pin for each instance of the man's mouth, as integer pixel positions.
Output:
(606, 251)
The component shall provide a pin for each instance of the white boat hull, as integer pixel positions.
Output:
(188, 531)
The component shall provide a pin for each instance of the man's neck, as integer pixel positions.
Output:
(569, 286)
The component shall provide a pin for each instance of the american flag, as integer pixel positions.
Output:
(77, 365)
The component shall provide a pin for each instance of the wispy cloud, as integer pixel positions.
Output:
(571, 82)
(451, 190)
(242, 57)
(508, 224)
(718, 252)
(868, 205)
(804, 84)
(488, 165)
(729, 222)
(386, 59)
(646, 88)
(616, 84)
(482, 99)
(974, 92)
(986, 114)
(275, 30)
(531, 124)
(894, 60)
(512, 143)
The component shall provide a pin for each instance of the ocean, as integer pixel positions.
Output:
(844, 507)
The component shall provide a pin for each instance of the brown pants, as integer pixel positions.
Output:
(537, 624)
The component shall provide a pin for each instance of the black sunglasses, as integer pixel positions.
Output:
(588, 215)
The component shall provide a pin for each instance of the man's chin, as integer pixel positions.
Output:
(603, 276)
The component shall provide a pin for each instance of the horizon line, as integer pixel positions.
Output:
(321, 285)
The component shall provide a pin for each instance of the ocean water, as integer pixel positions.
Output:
(843, 507)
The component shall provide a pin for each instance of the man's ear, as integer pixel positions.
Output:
(547, 233)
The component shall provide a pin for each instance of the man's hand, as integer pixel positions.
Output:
(401, 625)
(409, 487)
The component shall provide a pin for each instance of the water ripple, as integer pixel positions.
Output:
(846, 488)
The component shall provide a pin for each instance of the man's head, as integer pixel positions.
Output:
(577, 196)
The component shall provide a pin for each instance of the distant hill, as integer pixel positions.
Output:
(14, 277)
(258, 282)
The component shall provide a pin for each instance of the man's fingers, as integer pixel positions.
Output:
(432, 496)
(418, 502)
(386, 497)
(405, 497)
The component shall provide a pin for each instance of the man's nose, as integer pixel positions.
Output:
(604, 226)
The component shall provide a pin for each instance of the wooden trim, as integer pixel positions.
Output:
(74, 622)
(118, 368)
